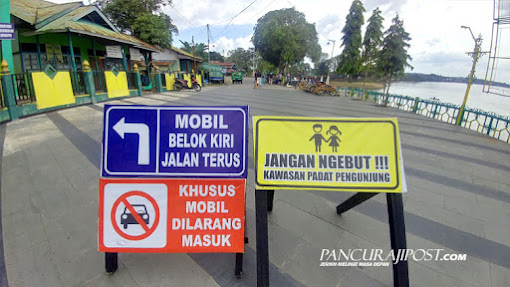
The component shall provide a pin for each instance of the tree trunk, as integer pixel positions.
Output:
(365, 79)
(388, 90)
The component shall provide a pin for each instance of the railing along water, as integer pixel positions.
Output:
(488, 123)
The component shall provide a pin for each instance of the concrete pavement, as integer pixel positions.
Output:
(458, 200)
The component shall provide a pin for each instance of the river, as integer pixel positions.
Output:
(454, 93)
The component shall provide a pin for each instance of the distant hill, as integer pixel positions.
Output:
(417, 77)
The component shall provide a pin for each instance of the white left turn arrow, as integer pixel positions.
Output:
(143, 138)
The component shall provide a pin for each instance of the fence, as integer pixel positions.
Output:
(24, 88)
(163, 80)
(99, 81)
(78, 82)
(488, 123)
(131, 79)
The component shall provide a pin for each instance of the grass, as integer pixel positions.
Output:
(368, 85)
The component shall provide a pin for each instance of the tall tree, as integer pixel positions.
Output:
(284, 37)
(322, 65)
(393, 59)
(144, 19)
(349, 59)
(242, 58)
(215, 56)
(372, 43)
(200, 49)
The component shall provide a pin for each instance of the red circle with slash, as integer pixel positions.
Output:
(148, 230)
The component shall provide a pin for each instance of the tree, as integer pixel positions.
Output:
(242, 58)
(284, 37)
(393, 58)
(349, 59)
(322, 65)
(215, 56)
(372, 43)
(200, 49)
(142, 18)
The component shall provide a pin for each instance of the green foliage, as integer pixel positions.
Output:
(284, 37)
(322, 65)
(215, 56)
(200, 49)
(349, 60)
(300, 69)
(142, 18)
(242, 58)
(393, 58)
(321, 68)
(266, 67)
(372, 42)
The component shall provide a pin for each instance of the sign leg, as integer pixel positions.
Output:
(270, 198)
(262, 239)
(353, 201)
(239, 256)
(239, 265)
(111, 262)
(398, 237)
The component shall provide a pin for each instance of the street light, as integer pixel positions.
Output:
(476, 55)
(330, 59)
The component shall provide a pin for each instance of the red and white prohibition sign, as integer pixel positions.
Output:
(134, 214)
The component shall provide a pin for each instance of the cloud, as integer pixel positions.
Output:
(443, 57)
(450, 64)
(228, 44)
(330, 23)
(504, 8)
(391, 5)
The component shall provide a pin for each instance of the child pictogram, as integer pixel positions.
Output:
(334, 140)
(317, 128)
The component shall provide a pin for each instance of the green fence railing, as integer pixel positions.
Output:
(24, 88)
(488, 123)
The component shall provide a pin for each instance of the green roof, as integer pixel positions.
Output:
(47, 17)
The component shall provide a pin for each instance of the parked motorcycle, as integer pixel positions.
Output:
(182, 84)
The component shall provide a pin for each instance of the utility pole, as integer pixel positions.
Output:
(330, 59)
(476, 54)
(209, 52)
(194, 62)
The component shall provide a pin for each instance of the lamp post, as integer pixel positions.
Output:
(476, 54)
(330, 59)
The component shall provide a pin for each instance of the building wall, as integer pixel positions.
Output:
(82, 46)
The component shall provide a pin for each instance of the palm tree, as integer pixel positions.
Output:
(200, 49)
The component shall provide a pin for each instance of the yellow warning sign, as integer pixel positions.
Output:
(342, 154)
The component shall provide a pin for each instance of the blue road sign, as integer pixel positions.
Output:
(6, 31)
(159, 141)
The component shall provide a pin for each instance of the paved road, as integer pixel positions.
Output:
(458, 200)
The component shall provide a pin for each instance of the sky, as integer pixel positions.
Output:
(438, 44)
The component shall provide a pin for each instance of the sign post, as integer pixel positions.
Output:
(173, 181)
(335, 154)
